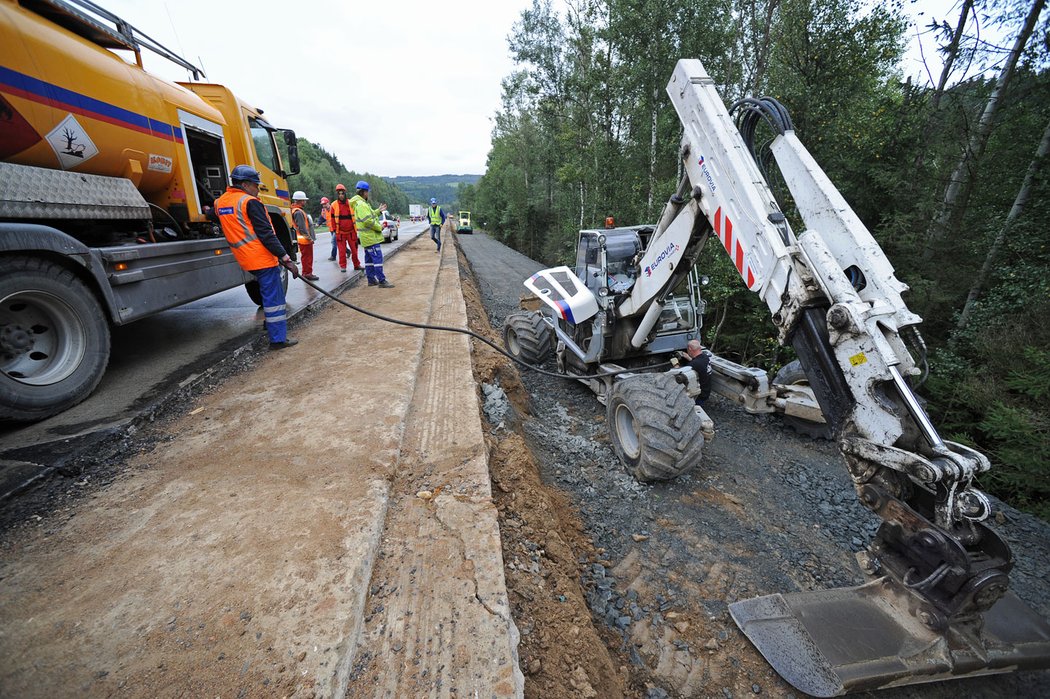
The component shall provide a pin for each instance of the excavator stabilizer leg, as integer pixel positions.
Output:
(832, 642)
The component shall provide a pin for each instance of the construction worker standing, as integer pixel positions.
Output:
(370, 231)
(255, 246)
(325, 220)
(304, 231)
(341, 221)
(436, 215)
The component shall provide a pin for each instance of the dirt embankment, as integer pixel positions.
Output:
(562, 653)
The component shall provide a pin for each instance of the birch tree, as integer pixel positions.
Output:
(960, 186)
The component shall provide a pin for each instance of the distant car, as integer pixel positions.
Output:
(391, 226)
(464, 223)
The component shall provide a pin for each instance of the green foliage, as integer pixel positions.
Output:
(320, 171)
(447, 189)
(1022, 443)
(1034, 380)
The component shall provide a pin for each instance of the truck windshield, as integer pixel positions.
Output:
(264, 147)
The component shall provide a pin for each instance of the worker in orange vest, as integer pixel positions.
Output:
(255, 246)
(304, 232)
(341, 221)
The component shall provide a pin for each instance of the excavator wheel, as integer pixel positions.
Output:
(527, 337)
(792, 374)
(653, 427)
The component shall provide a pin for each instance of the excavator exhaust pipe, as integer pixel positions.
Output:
(832, 642)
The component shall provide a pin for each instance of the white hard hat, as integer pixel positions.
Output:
(299, 196)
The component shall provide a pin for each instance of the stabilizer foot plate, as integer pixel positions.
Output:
(831, 642)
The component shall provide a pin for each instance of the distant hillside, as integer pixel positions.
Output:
(444, 188)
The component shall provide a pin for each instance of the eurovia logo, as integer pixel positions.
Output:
(707, 174)
(667, 252)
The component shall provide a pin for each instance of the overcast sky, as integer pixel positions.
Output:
(430, 69)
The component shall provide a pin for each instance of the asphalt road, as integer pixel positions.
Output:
(152, 357)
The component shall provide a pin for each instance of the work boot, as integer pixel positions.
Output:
(343, 270)
(372, 283)
(311, 277)
(281, 345)
(385, 285)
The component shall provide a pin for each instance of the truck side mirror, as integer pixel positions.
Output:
(293, 151)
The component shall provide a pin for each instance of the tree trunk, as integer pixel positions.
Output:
(652, 152)
(762, 50)
(952, 52)
(1015, 211)
(956, 197)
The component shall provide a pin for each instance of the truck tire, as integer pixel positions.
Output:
(54, 339)
(527, 337)
(255, 294)
(653, 427)
(792, 374)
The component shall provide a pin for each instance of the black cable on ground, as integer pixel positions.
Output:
(465, 331)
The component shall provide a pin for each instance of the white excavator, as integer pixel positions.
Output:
(938, 604)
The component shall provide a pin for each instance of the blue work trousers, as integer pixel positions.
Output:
(273, 302)
(374, 264)
(435, 234)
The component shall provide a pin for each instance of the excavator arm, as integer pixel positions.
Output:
(938, 605)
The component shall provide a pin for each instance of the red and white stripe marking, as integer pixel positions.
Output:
(736, 254)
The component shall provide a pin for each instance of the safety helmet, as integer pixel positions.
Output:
(340, 187)
(245, 173)
(324, 200)
(299, 196)
(362, 185)
(433, 201)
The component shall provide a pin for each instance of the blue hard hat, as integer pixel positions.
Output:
(362, 185)
(433, 201)
(245, 173)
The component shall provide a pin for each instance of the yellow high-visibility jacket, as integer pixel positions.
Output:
(369, 229)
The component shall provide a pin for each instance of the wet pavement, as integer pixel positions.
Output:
(156, 355)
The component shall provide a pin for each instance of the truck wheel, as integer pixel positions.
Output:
(527, 337)
(255, 294)
(54, 339)
(792, 374)
(653, 426)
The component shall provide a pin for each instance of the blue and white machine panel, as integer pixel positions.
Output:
(562, 290)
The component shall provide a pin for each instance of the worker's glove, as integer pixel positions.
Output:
(291, 267)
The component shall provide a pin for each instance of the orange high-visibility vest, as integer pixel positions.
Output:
(248, 250)
(334, 216)
(300, 233)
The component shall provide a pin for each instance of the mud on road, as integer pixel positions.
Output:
(766, 511)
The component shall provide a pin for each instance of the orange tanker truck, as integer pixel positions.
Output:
(105, 175)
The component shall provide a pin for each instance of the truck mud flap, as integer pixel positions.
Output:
(832, 642)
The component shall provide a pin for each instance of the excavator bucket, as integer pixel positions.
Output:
(832, 642)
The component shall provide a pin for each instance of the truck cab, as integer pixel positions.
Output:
(108, 172)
